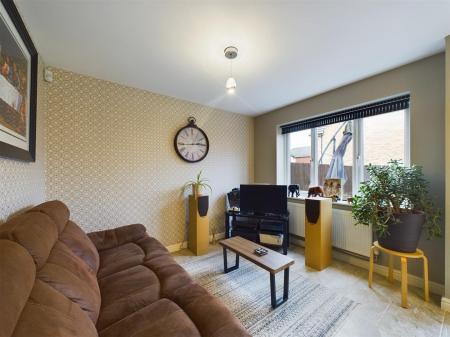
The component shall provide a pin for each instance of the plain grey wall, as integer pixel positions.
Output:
(425, 81)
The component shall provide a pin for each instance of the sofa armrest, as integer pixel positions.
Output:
(111, 238)
(209, 314)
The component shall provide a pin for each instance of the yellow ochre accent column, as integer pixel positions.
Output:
(198, 229)
(318, 233)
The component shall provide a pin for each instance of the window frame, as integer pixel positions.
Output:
(358, 153)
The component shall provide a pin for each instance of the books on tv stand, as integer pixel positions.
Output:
(251, 225)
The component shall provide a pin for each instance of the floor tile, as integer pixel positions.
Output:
(378, 313)
(445, 331)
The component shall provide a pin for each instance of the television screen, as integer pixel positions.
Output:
(263, 199)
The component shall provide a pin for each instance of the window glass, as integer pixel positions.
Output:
(300, 158)
(335, 150)
(384, 139)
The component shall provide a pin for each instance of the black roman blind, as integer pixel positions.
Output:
(366, 110)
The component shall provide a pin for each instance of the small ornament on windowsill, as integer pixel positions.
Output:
(315, 191)
(334, 198)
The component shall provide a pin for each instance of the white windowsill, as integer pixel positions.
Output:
(338, 204)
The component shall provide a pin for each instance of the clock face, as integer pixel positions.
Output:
(191, 144)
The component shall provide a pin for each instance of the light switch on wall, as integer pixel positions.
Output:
(48, 75)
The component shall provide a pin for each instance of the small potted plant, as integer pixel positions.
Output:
(197, 185)
(395, 202)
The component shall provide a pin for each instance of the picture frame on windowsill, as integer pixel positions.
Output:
(333, 189)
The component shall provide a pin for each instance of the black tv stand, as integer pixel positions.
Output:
(253, 224)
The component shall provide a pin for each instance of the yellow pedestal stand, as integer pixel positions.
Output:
(198, 229)
(318, 223)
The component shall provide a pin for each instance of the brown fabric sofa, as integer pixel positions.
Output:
(57, 281)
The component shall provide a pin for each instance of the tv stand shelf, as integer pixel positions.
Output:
(254, 224)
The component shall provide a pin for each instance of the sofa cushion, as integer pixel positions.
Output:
(195, 300)
(200, 306)
(119, 258)
(117, 236)
(80, 244)
(17, 275)
(127, 283)
(31, 307)
(130, 260)
(151, 247)
(68, 274)
(34, 231)
(55, 210)
(125, 292)
(48, 313)
(159, 319)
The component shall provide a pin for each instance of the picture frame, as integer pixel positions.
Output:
(332, 188)
(18, 86)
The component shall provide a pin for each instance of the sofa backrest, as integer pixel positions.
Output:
(48, 278)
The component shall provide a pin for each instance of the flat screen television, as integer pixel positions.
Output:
(263, 199)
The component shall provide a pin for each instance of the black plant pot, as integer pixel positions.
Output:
(203, 204)
(403, 235)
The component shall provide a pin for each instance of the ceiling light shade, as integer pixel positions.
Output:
(230, 85)
(231, 53)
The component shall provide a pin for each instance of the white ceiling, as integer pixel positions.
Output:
(288, 50)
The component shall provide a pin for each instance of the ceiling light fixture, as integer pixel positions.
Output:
(231, 53)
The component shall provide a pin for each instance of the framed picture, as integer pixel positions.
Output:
(332, 188)
(18, 86)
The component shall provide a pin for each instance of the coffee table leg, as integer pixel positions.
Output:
(273, 291)
(286, 284)
(225, 262)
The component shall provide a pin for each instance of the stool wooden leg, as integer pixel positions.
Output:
(371, 266)
(391, 269)
(425, 279)
(404, 263)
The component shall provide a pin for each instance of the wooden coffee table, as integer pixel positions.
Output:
(273, 262)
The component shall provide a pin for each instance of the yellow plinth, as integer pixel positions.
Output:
(318, 233)
(198, 229)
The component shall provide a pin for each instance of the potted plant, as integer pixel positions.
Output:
(395, 202)
(197, 185)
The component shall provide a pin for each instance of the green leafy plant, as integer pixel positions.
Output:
(391, 190)
(197, 184)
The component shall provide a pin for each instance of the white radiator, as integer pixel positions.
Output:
(296, 218)
(356, 239)
(346, 236)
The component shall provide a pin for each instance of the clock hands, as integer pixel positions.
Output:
(180, 143)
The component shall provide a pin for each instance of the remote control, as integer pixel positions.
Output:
(261, 251)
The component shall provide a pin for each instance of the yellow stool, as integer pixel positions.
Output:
(404, 269)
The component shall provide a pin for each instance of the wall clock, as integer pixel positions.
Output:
(191, 142)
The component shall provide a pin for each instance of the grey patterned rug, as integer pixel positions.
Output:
(311, 310)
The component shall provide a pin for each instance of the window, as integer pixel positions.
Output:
(345, 149)
(384, 139)
(299, 158)
(330, 138)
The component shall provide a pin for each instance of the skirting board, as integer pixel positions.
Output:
(445, 304)
(182, 245)
(416, 281)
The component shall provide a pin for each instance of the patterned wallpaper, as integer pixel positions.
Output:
(110, 155)
(22, 184)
